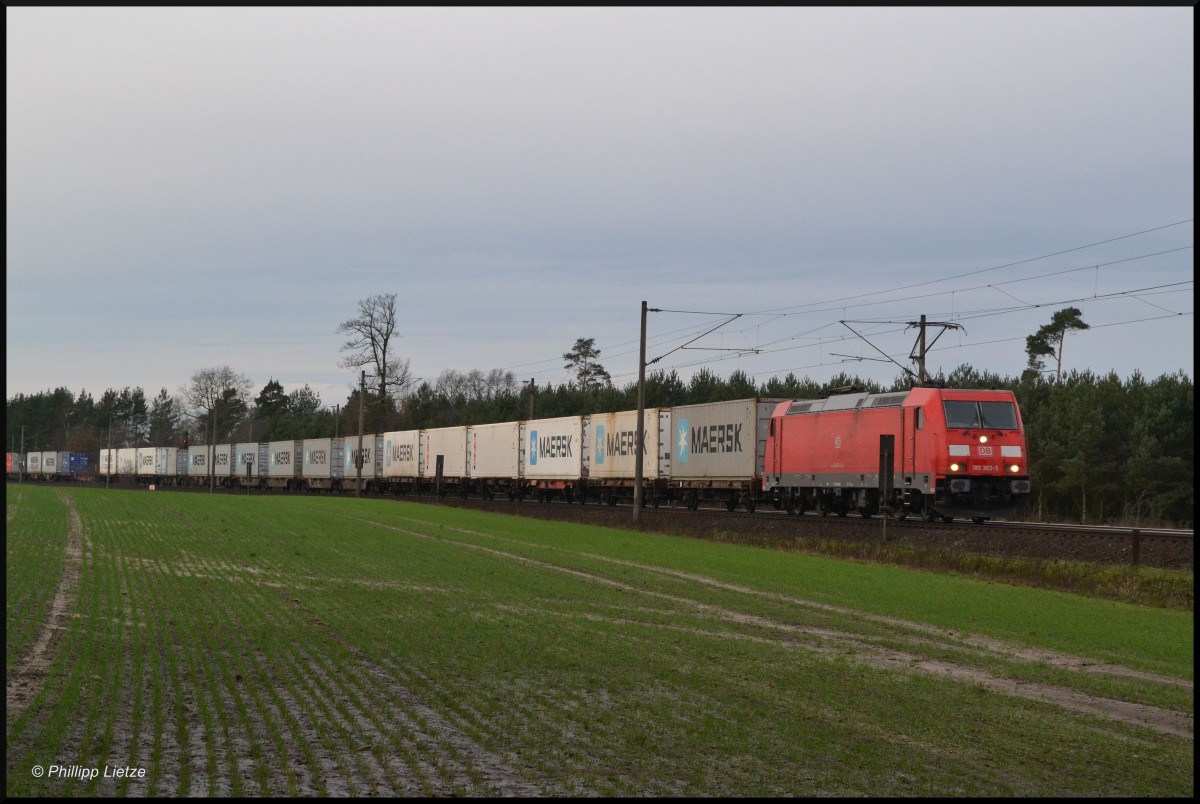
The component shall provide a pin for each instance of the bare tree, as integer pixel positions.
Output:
(219, 394)
(371, 335)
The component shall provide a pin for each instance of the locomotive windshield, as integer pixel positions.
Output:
(976, 415)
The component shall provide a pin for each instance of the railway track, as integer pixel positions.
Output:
(1146, 547)
(1164, 549)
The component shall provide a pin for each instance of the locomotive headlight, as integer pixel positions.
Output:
(983, 439)
(1014, 468)
(953, 467)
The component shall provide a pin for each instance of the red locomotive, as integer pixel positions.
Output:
(956, 453)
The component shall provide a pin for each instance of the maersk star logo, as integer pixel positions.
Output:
(681, 440)
(600, 444)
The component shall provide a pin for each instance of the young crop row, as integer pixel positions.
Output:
(293, 647)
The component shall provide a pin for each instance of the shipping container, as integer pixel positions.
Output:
(33, 464)
(79, 463)
(12, 463)
(717, 450)
(248, 459)
(614, 444)
(107, 464)
(49, 464)
(555, 455)
(403, 455)
(322, 467)
(494, 458)
(284, 462)
(145, 462)
(127, 462)
(372, 457)
(205, 461)
(449, 444)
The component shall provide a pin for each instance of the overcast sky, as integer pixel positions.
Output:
(198, 187)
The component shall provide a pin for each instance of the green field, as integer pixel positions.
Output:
(232, 645)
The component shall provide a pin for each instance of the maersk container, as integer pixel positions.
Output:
(145, 462)
(555, 449)
(252, 455)
(197, 463)
(403, 454)
(285, 459)
(615, 444)
(107, 465)
(202, 456)
(322, 461)
(720, 441)
(33, 463)
(222, 458)
(451, 444)
(494, 451)
(372, 456)
(49, 464)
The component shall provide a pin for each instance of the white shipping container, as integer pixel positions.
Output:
(222, 458)
(322, 459)
(615, 444)
(720, 440)
(33, 463)
(197, 465)
(145, 461)
(49, 463)
(201, 456)
(372, 456)
(285, 459)
(166, 461)
(249, 454)
(495, 450)
(108, 462)
(555, 449)
(127, 461)
(451, 444)
(403, 454)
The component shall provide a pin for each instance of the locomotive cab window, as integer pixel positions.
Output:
(975, 415)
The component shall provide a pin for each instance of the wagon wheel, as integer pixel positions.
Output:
(731, 503)
(693, 500)
(751, 503)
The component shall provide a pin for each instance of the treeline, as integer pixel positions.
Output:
(1102, 449)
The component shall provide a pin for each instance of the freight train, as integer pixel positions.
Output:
(931, 452)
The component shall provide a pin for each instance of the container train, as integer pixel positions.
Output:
(950, 454)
